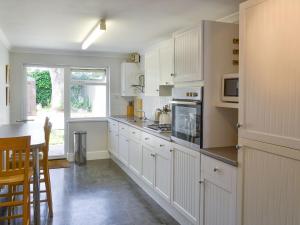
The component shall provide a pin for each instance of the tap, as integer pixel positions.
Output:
(143, 115)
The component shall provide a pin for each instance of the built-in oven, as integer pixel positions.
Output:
(187, 119)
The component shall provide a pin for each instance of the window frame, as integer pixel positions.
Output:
(89, 82)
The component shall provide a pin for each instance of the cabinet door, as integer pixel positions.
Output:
(186, 186)
(166, 62)
(218, 192)
(129, 77)
(135, 156)
(148, 165)
(188, 55)
(123, 149)
(271, 184)
(163, 175)
(217, 205)
(152, 73)
(270, 81)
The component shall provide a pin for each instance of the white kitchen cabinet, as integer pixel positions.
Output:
(186, 182)
(269, 184)
(152, 79)
(123, 149)
(166, 62)
(269, 73)
(218, 192)
(148, 165)
(135, 156)
(129, 76)
(163, 168)
(113, 137)
(188, 55)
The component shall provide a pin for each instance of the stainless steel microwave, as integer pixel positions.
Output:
(230, 87)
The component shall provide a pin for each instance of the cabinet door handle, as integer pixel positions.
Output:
(161, 145)
(133, 132)
(172, 74)
(171, 150)
(201, 182)
(146, 139)
(238, 147)
(216, 169)
(153, 155)
(238, 125)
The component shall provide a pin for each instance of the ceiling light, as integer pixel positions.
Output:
(99, 29)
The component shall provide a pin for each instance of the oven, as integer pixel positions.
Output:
(187, 116)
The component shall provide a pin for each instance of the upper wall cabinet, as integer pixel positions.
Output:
(188, 55)
(129, 77)
(269, 72)
(166, 62)
(152, 73)
(159, 69)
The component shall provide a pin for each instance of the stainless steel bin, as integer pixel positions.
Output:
(80, 147)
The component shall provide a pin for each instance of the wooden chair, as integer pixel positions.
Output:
(44, 168)
(15, 171)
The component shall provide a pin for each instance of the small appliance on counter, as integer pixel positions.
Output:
(187, 116)
(230, 87)
(157, 115)
(165, 118)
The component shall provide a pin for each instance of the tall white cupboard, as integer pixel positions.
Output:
(269, 118)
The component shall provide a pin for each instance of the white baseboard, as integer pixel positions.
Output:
(91, 155)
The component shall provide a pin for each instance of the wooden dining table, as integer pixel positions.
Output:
(36, 132)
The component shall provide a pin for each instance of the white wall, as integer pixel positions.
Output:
(97, 131)
(4, 60)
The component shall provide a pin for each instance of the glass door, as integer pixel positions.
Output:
(45, 97)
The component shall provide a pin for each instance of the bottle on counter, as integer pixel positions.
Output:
(130, 109)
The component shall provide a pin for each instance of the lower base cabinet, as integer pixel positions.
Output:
(123, 149)
(218, 192)
(148, 165)
(135, 156)
(186, 185)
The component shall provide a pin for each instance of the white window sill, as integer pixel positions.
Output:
(80, 120)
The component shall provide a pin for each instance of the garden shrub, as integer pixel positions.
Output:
(43, 87)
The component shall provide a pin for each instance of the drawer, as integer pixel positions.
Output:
(159, 145)
(113, 125)
(135, 134)
(124, 129)
(219, 173)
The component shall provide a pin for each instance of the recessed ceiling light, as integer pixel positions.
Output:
(98, 30)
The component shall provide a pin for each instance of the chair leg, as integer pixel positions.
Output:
(48, 190)
(26, 197)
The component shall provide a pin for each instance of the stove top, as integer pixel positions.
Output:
(161, 128)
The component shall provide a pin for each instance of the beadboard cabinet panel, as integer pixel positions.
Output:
(152, 73)
(269, 72)
(123, 149)
(271, 185)
(186, 177)
(135, 156)
(148, 165)
(188, 55)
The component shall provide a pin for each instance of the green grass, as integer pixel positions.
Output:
(57, 137)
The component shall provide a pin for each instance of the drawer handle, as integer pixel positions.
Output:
(216, 169)
(146, 139)
(238, 147)
(161, 145)
(122, 128)
(153, 155)
(133, 132)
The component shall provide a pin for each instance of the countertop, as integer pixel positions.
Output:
(225, 154)
(141, 124)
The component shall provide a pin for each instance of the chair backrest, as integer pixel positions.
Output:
(47, 130)
(14, 156)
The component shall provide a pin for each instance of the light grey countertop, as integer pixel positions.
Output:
(225, 154)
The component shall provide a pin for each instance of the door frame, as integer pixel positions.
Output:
(66, 104)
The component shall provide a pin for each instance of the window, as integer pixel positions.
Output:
(89, 93)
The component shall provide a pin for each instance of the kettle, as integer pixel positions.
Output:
(157, 115)
(165, 117)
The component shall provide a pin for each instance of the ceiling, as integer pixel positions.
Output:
(131, 24)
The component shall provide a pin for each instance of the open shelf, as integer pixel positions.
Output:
(227, 105)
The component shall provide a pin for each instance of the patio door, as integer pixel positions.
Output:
(45, 97)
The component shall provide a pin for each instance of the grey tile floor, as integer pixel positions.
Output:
(100, 193)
